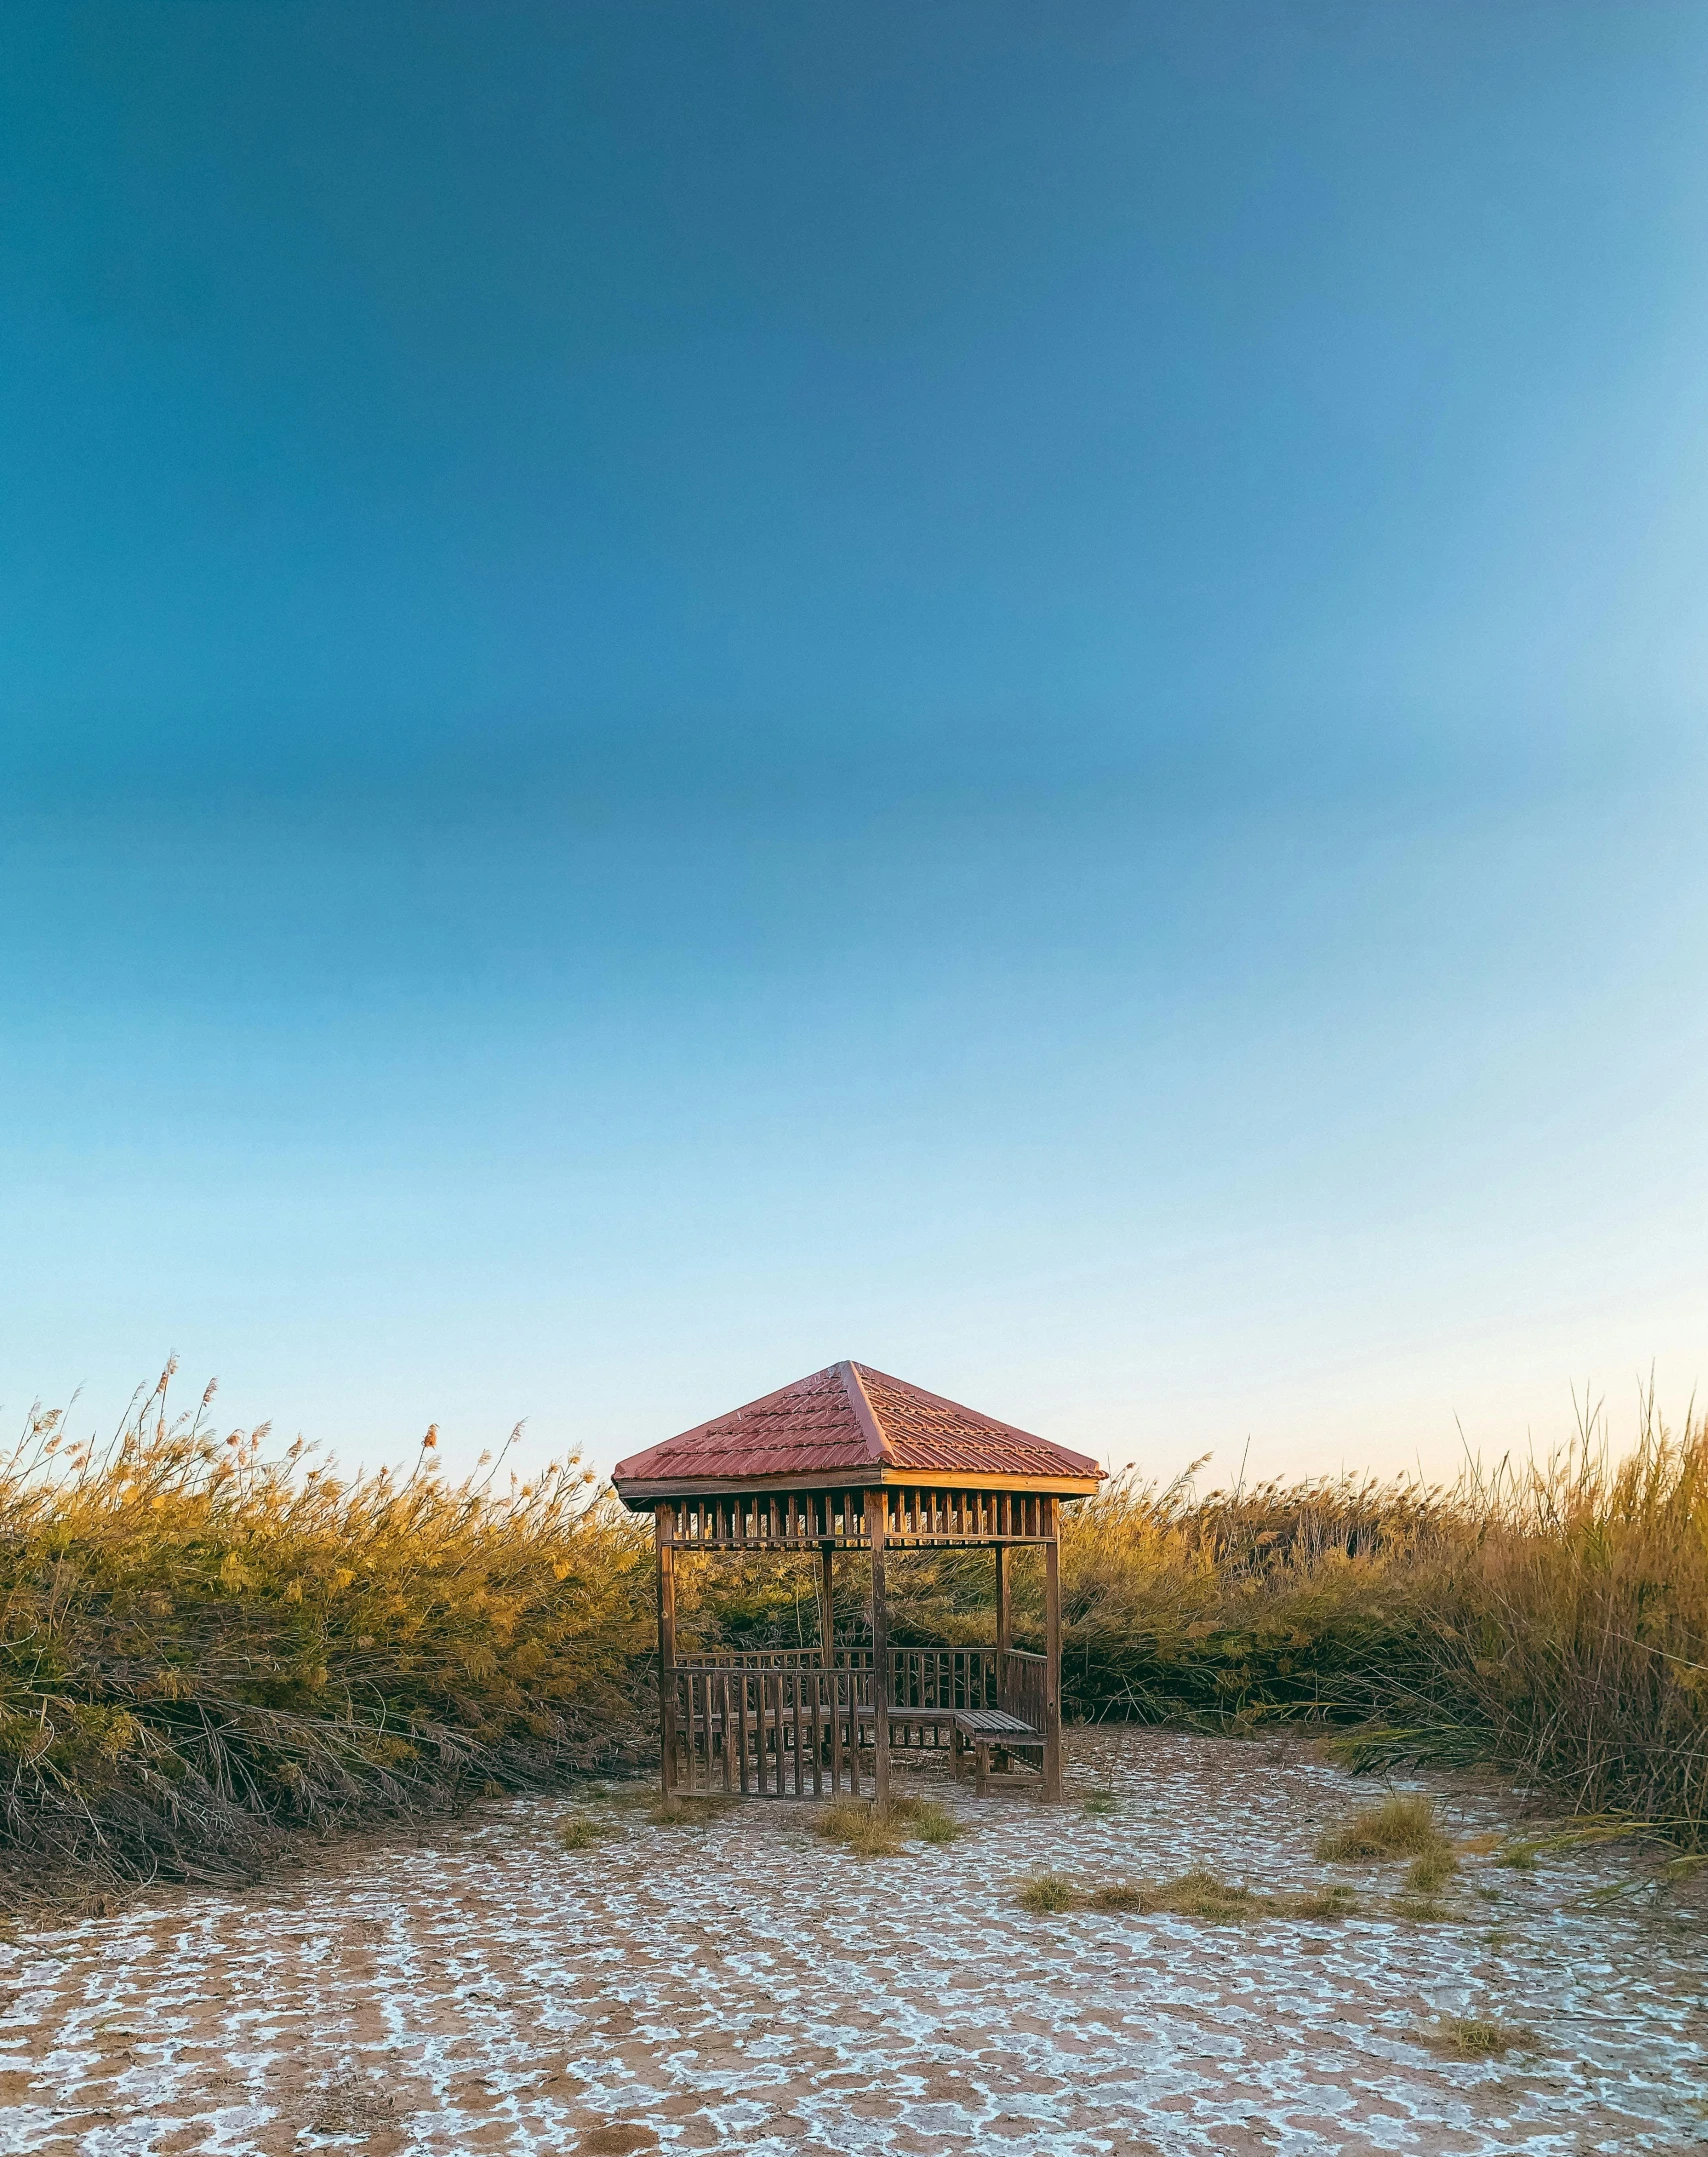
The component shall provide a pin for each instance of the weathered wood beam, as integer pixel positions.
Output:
(875, 1510)
(665, 1538)
(1052, 1660)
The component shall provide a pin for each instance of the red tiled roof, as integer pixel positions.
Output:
(852, 1419)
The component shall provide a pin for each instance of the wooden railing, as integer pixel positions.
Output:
(1021, 1687)
(770, 1729)
(945, 1678)
(776, 1722)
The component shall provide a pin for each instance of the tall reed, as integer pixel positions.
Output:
(1550, 1619)
(1571, 1638)
(206, 1643)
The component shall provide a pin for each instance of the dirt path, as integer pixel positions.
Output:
(745, 1986)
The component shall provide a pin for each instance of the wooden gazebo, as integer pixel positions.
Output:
(851, 1460)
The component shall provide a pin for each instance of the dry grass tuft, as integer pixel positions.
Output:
(1047, 1893)
(869, 1830)
(616, 2138)
(1397, 1827)
(1325, 1903)
(1200, 1895)
(858, 1827)
(1425, 1910)
(1206, 1897)
(1429, 1873)
(698, 1811)
(936, 1824)
(1117, 1895)
(581, 1831)
(1469, 2037)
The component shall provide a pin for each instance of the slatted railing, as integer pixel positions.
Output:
(946, 1678)
(770, 1730)
(1021, 1683)
(775, 1722)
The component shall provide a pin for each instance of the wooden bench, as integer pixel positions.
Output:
(979, 1730)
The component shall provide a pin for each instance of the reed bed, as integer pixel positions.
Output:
(1549, 1619)
(211, 1646)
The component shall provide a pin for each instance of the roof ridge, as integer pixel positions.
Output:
(853, 1384)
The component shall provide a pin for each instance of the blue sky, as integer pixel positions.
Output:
(1018, 692)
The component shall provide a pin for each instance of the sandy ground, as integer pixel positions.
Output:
(745, 1986)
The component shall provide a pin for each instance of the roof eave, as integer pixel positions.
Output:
(640, 1493)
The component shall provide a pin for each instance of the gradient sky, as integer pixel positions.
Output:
(1015, 691)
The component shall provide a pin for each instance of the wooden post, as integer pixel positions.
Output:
(664, 1530)
(1004, 1624)
(1052, 1656)
(827, 1662)
(1004, 1638)
(880, 1651)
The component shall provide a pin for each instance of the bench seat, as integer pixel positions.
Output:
(984, 1730)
